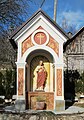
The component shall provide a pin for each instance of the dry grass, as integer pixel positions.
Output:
(78, 104)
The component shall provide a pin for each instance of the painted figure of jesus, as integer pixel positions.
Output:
(41, 76)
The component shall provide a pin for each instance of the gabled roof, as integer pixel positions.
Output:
(73, 37)
(35, 15)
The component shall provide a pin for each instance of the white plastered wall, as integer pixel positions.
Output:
(58, 61)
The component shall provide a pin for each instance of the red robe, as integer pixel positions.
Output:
(41, 78)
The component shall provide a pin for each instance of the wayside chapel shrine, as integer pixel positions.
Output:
(39, 42)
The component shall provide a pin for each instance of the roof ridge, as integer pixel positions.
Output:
(29, 19)
(78, 31)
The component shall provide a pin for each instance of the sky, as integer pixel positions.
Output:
(69, 12)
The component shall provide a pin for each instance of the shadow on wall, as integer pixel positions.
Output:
(70, 77)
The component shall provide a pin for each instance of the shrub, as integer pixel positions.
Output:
(70, 77)
(79, 84)
(8, 83)
(73, 82)
(1, 101)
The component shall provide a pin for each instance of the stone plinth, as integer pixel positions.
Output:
(49, 99)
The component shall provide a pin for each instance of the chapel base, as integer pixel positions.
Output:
(48, 96)
(60, 105)
(20, 105)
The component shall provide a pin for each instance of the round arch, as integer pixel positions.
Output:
(32, 61)
(46, 48)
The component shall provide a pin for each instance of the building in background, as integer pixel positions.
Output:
(74, 52)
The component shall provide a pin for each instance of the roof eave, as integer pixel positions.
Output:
(72, 38)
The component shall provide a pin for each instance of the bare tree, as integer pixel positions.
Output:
(11, 13)
(10, 17)
(67, 27)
